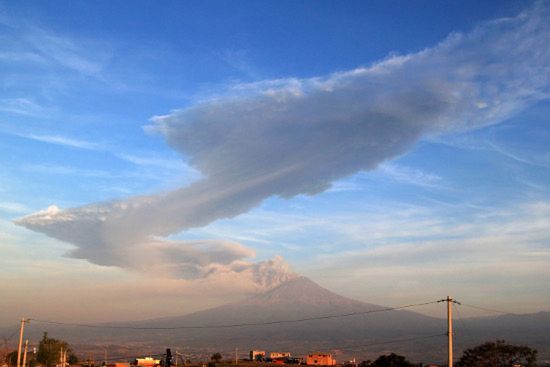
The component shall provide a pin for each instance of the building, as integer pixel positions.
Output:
(257, 355)
(320, 359)
(146, 362)
(279, 355)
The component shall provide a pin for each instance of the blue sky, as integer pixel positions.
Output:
(112, 101)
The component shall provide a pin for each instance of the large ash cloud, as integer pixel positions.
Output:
(296, 136)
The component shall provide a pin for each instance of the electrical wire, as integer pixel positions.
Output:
(232, 325)
(467, 331)
(488, 309)
(12, 335)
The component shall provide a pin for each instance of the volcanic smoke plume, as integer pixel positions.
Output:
(296, 136)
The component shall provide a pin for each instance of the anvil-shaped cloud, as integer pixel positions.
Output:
(296, 136)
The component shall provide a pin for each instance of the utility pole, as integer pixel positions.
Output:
(168, 358)
(25, 352)
(236, 356)
(21, 332)
(449, 331)
(449, 302)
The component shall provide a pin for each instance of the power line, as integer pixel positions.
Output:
(11, 336)
(467, 331)
(488, 309)
(233, 325)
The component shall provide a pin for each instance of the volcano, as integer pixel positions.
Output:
(262, 322)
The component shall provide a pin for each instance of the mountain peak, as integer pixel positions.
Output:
(299, 290)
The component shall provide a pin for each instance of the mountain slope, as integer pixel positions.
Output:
(296, 299)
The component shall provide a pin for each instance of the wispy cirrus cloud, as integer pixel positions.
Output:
(154, 160)
(64, 141)
(430, 250)
(522, 154)
(22, 106)
(37, 63)
(144, 159)
(239, 60)
(294, 136)
(67, 52)
(32, 44)
(425, 233)
(542, 162)
(13, 207)
(410, 175)
(65, 170)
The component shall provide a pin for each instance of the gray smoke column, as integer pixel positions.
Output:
(296, 136)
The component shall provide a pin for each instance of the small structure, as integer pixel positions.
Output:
(320, 359)
(146, 362)
(279, 355)
(257, 355)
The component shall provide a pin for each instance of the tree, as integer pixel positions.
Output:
(72, 359)
(216, 357)
(498, 354)
(392, 360)
(49, 351)
(11, 358)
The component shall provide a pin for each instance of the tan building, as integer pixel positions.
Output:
(257, 354)
(320, 359)
(276, 355)
(147, 362)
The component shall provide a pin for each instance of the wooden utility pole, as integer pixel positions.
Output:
(450, 302)
(25, 352)
(21, 331)
(236, 356)
(449, 331)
